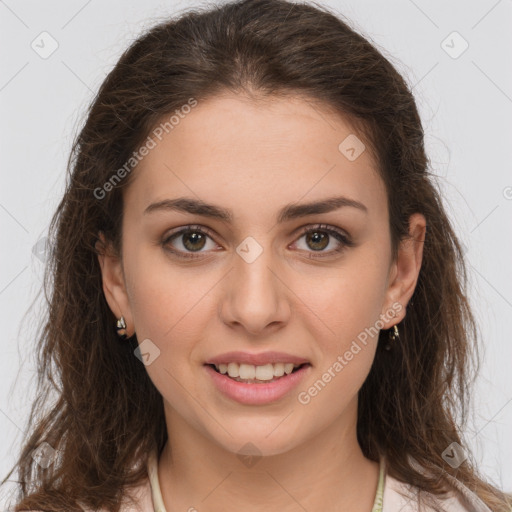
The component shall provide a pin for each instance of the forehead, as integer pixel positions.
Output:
(234, 147)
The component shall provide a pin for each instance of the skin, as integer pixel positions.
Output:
(253, 157)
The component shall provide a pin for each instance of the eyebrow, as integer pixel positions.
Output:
(289, 212)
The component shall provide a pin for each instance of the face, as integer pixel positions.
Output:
(261, 275)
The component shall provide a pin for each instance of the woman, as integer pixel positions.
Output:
(257, 301)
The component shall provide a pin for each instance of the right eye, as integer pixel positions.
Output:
(191, 239)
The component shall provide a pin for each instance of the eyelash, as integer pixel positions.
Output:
(330, 230)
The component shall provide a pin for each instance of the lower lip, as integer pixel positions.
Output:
(257, 394)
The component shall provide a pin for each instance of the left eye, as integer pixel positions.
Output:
(194, 238)
(319, 238)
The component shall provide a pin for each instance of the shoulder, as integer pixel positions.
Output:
(145, 497)
(137, 499)
(399, 496)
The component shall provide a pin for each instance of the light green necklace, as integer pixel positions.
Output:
(377, 504)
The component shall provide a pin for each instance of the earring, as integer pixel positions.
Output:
(121, 328)
(394, 335)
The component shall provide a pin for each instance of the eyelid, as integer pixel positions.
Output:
(190, 227)
(325, 227)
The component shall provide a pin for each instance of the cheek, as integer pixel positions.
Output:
(169, 308)
(165, 298)
(346, 337)
(348, 299)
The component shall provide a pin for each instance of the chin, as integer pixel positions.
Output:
(259, 442)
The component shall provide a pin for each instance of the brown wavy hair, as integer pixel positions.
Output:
(107, 415)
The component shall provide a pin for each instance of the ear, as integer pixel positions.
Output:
(405, 270)
(114, 286)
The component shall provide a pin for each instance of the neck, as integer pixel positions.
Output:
(326, 472)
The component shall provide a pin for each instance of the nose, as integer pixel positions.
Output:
(255, 297)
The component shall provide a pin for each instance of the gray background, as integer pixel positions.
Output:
(465, 101)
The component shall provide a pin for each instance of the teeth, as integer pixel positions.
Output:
(233, 370)
(249, 371)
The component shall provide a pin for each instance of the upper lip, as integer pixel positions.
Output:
(256, 359)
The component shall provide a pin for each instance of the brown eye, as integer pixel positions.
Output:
(187, 241)
(319, 237)
(317, 240)
(193, 241)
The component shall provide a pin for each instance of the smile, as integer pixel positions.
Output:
(256, 385)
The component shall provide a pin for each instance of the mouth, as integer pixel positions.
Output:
(257, 385)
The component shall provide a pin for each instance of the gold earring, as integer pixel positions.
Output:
(394, 335)
(121, 328)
